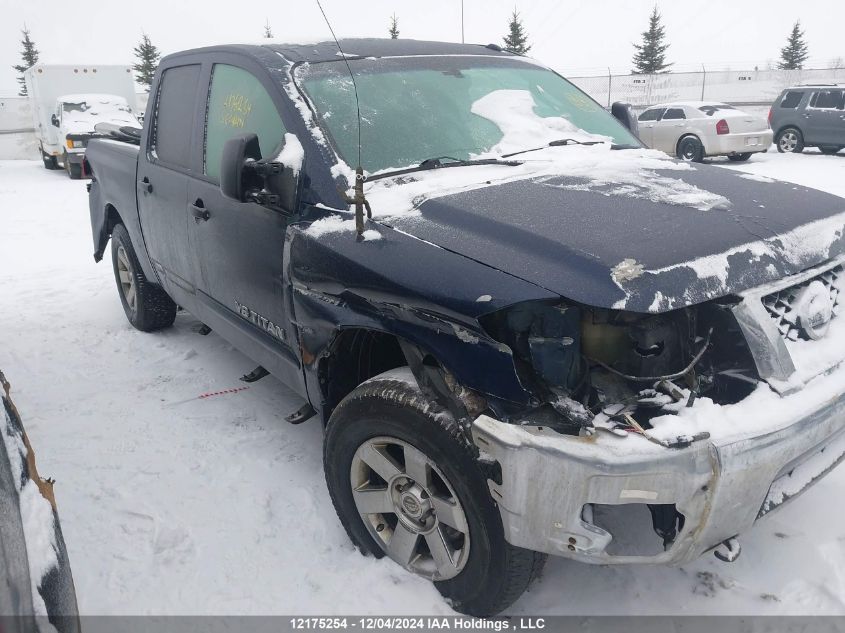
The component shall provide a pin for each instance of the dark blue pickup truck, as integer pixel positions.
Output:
(524, 333)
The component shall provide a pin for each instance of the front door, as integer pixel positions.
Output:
(668, 130)
(162, 182)
(646, 122)
(240, 246)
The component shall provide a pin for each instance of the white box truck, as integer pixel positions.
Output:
(67, 101)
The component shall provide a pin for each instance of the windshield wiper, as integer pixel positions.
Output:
(437, 163)
(558, 143)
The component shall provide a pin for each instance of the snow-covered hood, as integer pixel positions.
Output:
(649, 236)
(94, 109)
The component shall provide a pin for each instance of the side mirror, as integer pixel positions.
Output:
(54, 120)
(233, 176)
(245, 177)
(624, 113)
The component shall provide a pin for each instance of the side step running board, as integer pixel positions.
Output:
(305, 412)
(255, 375)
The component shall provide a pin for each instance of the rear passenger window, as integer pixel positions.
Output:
(828, 99)
(174, 115)
(238, 104)
(674, 113)
(791, 99)
(651, 115)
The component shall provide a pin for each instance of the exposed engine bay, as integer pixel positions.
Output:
(593, 368)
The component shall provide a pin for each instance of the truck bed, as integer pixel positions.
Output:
(114, 193)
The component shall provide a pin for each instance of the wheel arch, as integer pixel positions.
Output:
(786, 126)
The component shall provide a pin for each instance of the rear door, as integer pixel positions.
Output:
(826, 114)
(240, 246)
(162, 181)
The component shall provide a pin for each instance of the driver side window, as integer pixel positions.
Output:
(651, 115)
(238, 104)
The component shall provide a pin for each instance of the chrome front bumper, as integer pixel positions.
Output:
(720, 486)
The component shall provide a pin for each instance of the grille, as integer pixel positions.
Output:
(781, 304)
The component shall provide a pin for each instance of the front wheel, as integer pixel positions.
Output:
(146, 305)
(50, 162)
(739, 158)
(74, 170)
(406, 484)
(829, 149)
(790, 140)
(690, 149)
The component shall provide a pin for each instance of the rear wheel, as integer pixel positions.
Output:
(739, 158)
(146, 305)
(406, 484)
(690, 149)
(790, 140)
(829, 149)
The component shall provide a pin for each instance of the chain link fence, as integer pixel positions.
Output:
(737, 87)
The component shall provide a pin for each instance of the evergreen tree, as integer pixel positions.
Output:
(394, 27)
(148, 58)
(794, 54)
(516, 41)
(29, 57)
(650, 57)
(268, 33)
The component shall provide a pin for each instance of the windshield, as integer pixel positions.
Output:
(94, 106)
(414, 109)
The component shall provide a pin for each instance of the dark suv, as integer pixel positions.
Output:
(809, 116)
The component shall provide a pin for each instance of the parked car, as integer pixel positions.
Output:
(36, 584)
(695, 129)
(528, 326)
(67, 101)
(809, 116)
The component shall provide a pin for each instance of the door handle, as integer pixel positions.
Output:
(199, 211)
(146, 185)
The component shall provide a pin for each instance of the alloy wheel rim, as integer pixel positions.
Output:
(410, 508)
(127, 278)
(788, 141)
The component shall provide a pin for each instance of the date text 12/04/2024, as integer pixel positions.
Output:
(417, 623)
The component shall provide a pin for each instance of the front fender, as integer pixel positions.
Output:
(411, 289)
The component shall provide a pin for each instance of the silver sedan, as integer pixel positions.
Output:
(694, 129)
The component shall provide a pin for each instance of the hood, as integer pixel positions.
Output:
(662, 240)
(83, 111)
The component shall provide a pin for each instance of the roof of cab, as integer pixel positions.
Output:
(355, 48)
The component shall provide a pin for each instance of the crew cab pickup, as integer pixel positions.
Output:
(524, 333)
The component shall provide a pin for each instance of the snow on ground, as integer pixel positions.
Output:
(218, 506)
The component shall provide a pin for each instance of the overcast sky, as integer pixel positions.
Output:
(574, 36)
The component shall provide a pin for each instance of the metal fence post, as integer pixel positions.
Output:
(609, 85)
(703, 80)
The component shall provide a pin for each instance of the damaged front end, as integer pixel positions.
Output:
(604, 453)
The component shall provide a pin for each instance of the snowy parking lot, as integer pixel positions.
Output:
(173, 504)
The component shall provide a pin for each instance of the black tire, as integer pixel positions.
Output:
(495, 573)
(739, 158)
(790, 139)
(74, 170)
(690, 149)
(50, 162)
(829, 149)
(152, 309)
